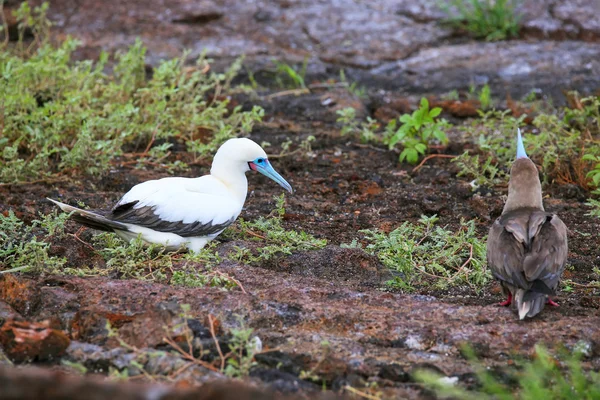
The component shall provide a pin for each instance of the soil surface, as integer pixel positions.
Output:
(399, 51)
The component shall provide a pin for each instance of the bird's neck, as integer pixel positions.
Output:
(234, 180)
(524, 195)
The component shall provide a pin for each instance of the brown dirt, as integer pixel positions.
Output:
(295, 303)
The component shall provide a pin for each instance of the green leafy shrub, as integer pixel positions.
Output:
(277, 240)
(26, 247)
(559, 147)
(61, 116)
(585, 116)
(483, 174)
(364, 130)
(416, 131)
(544, 377)
(243, 347)
(594, 174)
(127, 260)
(487, 19)
(424, 252)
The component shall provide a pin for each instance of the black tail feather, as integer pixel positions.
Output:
(92, 219)
(90, 223)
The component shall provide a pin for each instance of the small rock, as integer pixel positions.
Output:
(282, 381)
(30, 341)
(262, 16)
(394, 372)
(448, 380)
(283, 361)
(21, 294)
(413, 342)
(149, 329)
(584, 347)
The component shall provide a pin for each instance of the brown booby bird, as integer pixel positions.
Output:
(527, 246)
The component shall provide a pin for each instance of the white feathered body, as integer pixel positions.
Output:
(206, 199)
(206, 202)
(185, 212)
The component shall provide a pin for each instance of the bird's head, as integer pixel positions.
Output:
(242, 155)
(524, 187)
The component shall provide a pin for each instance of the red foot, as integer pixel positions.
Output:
(507, 302)
(551, 303)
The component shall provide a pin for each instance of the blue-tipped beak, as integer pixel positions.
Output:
(267, 170)
(520, 148)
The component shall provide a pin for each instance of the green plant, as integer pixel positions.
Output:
(594, 174)
(365, 130)
(493, 133)
(290, 76)
(595, 208)
(136, 260)
(35, 19)
(243, 347)
(277, 239)
(485, 97)
(358, 91)
(65, 117)
(304, 148)
(488, 19)
(544, 377)
(558, 147)
(76, 367)
(416, 131)
(585, 116)
(483, 174)
(451, 95)
(567, 285)
(424, 252)
(26, 247)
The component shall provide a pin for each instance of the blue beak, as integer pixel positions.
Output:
(267, 170)
(520, 148)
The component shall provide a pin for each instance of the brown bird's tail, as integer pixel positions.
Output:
(91, 219)
(529, 303)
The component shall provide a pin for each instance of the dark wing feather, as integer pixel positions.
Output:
(505, 250)
(528, 249)
(547, 257)
(146, 217)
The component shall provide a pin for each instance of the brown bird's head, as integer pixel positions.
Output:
(524, 187)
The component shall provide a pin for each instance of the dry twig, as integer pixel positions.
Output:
(429, 157)
(214, 336)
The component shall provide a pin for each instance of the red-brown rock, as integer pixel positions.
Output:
(32, 341)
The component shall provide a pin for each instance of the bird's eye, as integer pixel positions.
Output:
(260, 160)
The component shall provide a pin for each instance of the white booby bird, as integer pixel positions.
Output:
(527, 246)
(185, 212)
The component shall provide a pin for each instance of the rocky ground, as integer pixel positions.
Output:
(399, 51)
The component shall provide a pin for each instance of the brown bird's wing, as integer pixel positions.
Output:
(546, 259)
(505, 253)
(527, 249)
